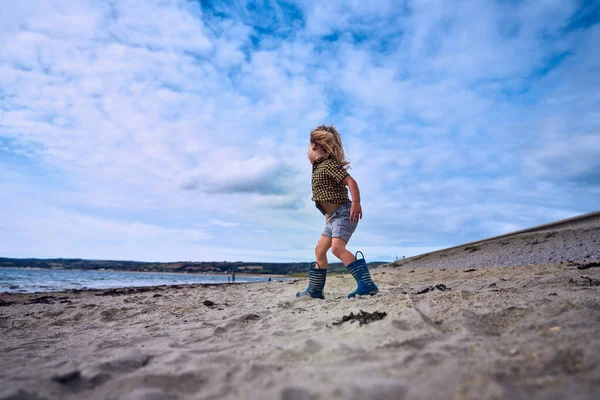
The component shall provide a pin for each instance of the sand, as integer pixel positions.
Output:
(516, 332)
(524, 249)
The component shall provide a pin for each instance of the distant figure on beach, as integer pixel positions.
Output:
(330, 183)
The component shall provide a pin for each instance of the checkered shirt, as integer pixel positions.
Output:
(327, 186)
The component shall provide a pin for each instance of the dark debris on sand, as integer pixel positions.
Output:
(145, 289)
(23, 395)
(43, 300)
(362, 317)
(587, 281)
(75, 382)
(246, 318)
(588, 265)
(49, 300)
(4, 303)
(441, 287)
(131, 290)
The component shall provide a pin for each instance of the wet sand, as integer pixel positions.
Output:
(516, 332)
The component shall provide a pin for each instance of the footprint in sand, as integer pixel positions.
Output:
(129, 362)
(286, 305)
(97, 374)
(112, 314)
(170, 385)
(402, 325)
(492, 324)
(311, 346)
(295, 393)
(381, 389)
(23, 395)
(418, 343)
(239, 322)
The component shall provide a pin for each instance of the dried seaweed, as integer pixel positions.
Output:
(132, 290)
(4, 303)
(362, 317)
(472, 249)
(441, 287)
(42, 300)
(589, 265)
(587, 281)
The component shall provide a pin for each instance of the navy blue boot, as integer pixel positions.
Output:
(316, 283)
(360, 272)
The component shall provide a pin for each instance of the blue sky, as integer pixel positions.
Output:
(177, 130)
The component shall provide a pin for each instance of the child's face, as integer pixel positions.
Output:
(314, 151)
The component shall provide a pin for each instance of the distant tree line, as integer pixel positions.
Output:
(215, 267)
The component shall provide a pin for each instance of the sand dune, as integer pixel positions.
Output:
(516, 332)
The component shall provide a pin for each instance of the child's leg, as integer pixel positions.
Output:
(318, 274)
(358, 269)
(338, 248)
(342, 230)
(323, 246)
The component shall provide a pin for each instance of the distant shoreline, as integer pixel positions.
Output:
(245, 274)
(52, 280)
(216, 268)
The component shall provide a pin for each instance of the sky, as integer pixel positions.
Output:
(168, 130)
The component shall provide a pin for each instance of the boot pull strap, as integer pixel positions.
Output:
(313, 263)
(361, 253)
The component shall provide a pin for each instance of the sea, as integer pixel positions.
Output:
(29, 280)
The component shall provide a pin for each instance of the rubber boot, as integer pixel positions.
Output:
(316, 283)
(360, 272)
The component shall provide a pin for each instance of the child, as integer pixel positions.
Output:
(329, 181)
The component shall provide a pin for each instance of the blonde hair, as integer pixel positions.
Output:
(329, 138)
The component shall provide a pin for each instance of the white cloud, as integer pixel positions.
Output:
(569, 157)
(223, 173)
(50, 232)
(223, 224)
(458, 117)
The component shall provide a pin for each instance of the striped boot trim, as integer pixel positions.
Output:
(316, 280)
(316, 283)
(365, 284)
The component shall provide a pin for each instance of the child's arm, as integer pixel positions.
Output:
(356, 209)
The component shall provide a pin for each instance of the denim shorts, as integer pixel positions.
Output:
(339, 224)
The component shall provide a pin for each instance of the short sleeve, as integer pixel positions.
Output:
(337, 171)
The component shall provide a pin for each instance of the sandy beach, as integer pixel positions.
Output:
(516, 332)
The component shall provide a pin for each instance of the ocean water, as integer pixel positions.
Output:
(24, 280)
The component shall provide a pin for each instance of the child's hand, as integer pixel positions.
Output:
(355, 212)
